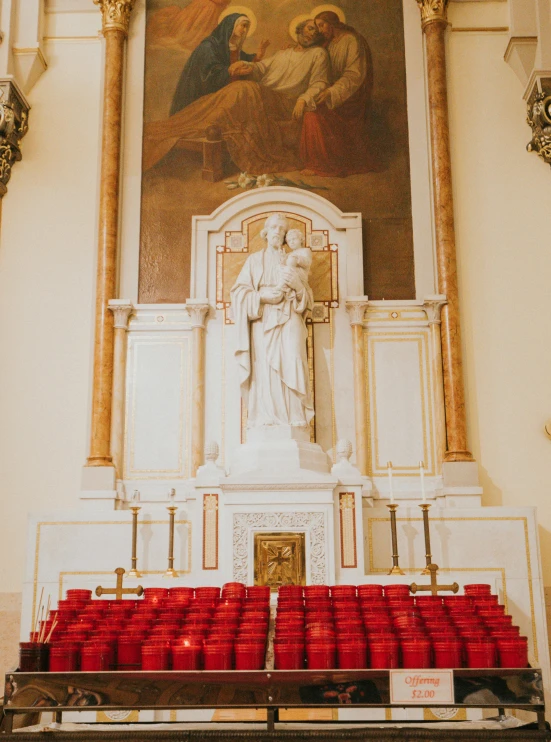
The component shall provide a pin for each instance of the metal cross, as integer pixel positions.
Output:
(119, 590)
(434, 588)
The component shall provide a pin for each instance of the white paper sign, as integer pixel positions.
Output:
(423, 687)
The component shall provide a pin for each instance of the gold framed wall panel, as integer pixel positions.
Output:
(419, 336)
(183, 466)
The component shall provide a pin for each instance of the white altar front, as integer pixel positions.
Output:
(179, 424)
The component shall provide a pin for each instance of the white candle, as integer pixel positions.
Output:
(389, 468)
(422, 473)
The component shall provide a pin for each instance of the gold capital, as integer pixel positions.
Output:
(433, 10)
(115, 14)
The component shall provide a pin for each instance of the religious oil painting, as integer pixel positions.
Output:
(275, 92)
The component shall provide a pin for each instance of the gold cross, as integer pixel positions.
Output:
(433, 588)
(119, 590)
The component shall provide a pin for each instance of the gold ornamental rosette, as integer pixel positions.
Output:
(115, 14)
(433, 11)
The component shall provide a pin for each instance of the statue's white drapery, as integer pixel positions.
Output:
(271, 344)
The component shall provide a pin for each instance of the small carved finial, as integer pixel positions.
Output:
(115, 14)
(212, 452)
(433, 10)
(344, 450)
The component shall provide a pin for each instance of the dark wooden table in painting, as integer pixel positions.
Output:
(30, 693)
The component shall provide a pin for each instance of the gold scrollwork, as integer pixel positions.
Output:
(433, 10)
(115, 14)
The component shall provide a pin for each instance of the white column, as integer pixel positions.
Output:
(356, 306)
(433, 307)
(122, 309)
(198, 310)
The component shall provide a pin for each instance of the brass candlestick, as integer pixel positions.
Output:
(171, 572)
(134, 571)
(426, 526)
(395, 566)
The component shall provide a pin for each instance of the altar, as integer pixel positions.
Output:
(281, 504)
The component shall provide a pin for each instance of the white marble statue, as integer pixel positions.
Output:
(270, 300)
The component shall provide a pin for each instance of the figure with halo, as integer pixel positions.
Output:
(216, 62)
(271, 300)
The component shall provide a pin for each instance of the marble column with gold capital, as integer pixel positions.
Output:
(198, 311)
(356, 306)
(434, 23)
(115, 22)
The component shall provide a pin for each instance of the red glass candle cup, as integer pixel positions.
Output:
(384, 652)
(370, 591)
(416, 653)
(352, 654)
(218, 655)
(33, 657)
(321, 654)
(289, 656)
(129, 654)
(448, 653)
(64, 657)
(155, 657)
(481, 653)
(513, 652)
(249, 655)
(187, 654)
(95, 657)
(477, 589)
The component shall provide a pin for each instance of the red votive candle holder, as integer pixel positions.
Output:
(95, 657)
(448, 653)
(33, 657)
(513, 652)
(352, 654)
(416, 654)
(481, 653)
(218, 655)
(249, 655)
(289, 656)
(155, 656)
(187, 655)
(370, 591)
(321, 655)
(129, 654)
(64, 657)
(384, 652)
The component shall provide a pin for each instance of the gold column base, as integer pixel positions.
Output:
(133, 573)
(171, 573)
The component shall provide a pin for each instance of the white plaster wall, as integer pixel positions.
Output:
(47, 277)
(502, 197)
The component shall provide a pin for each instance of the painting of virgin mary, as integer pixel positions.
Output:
(213, 64)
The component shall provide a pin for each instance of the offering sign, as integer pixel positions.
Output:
(423, 687)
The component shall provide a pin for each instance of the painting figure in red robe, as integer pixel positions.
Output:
(335, 137)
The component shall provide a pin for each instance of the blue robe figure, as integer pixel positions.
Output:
(207, 70)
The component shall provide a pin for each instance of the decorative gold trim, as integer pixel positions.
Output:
(433, 11)
(347, 527)
(480, 29)
(115, 14)
(374, 570)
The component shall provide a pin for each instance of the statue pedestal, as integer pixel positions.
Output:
(279, 452)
